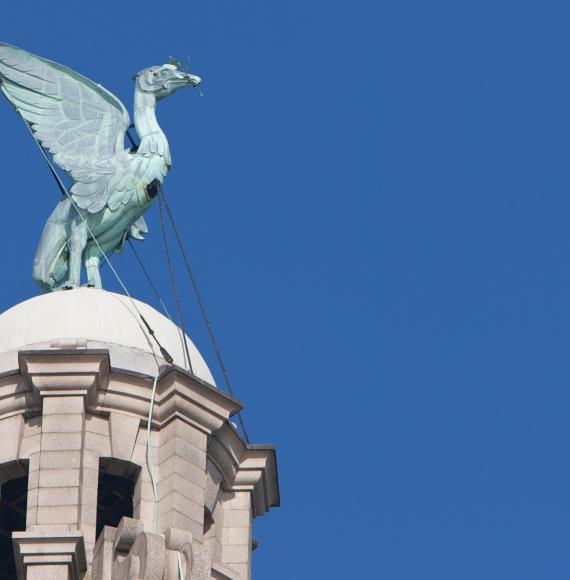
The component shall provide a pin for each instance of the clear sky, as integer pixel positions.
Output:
(376, 199)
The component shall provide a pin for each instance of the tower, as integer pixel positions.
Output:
(115, 463)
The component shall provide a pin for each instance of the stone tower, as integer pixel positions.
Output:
(85, 492)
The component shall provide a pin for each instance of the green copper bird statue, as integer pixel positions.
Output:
(83, 126)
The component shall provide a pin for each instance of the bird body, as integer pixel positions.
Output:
(84, 128)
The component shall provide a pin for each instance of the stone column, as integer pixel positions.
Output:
(60, 502)
(188, 412)
(182, 478)
(236, 532)
(60, 464)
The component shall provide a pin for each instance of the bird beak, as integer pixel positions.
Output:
(193, 80)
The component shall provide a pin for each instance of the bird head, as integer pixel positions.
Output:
(165, 79)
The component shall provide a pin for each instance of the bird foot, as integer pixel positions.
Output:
(69, 285)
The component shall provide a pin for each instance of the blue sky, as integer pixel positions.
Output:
(375, 196)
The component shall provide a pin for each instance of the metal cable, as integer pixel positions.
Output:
(173, 279)
(203, 310)
(149, 279)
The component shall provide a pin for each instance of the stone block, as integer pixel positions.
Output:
(177, 501)
(103, 555)
(176, 482)
(30, 445)
(91, 459)
(90, 478)
(57, 515)
(89, 505)
(237, 500)
(144, 510)
(58, 496)
(61, 441)
(60, 460)
(183, 449)
(48, 572)
(59, 477)
(98, 443)
(31, 516)
(212, 489)
(242, 570)
(89, 538)
(34, 462)
(235, 554)
(57, 423)
(239, 536)
(96, 424)
(180, 429)
(144, 491)
(236, 518)
(33, 497)
(176, 519)
(186, 469)
(63, 405)
(33, 426)
(11, 433)
(124, 432)
(139, 454)
(33, 480)
(202, 563)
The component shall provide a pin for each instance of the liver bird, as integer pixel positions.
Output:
(83, 126)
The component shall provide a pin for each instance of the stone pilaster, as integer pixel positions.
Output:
(62, 489)
(182, 477)
(44, 555)
(236, 532)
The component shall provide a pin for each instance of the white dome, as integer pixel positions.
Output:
(95, 316)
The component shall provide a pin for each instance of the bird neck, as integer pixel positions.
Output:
(152, 139)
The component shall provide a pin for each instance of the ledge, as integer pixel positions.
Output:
(35, 549)
(65, 372)
(245, 467)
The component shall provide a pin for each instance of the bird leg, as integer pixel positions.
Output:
(76, 244)
(92, 261)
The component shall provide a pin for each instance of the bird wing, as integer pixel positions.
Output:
(78, 121)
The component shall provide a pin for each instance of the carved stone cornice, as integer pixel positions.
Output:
(65, 372)
(17, 396)
(246, 467)
(178, 394)
(40, 549)
(87, 372)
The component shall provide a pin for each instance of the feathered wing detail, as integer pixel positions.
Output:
(78, 121)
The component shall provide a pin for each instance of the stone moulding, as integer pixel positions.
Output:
(227, 480)
(245, 467)
(89, 372)
(63, 552)
(179, 394)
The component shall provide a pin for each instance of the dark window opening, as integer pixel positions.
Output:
(208, 522)
(13, 506)
(115, 491)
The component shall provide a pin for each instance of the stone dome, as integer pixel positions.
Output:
(97, 319)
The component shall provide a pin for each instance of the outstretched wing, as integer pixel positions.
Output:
(78, 121)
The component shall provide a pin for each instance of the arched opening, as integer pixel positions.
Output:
(115, 491)
(13, 506)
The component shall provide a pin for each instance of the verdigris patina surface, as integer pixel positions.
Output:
(84, 126)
